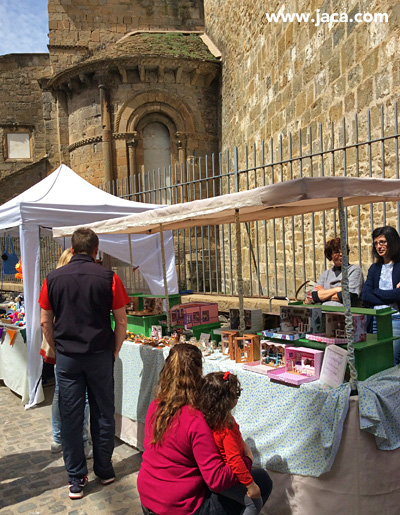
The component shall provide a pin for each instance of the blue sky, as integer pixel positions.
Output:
(23, 26)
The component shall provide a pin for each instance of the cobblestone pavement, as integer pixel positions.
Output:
(33, 481)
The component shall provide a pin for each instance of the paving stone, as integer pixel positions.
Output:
(34, 482)
(26, 507)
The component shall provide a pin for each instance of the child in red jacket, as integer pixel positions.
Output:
(219, 395)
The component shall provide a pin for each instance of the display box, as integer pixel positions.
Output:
(194, 313)
(302, 365)
(142, 324)
(301, 320)
(321, 337)
(253, 320)
(228, 342)
(247, 348)
(281, 336)
(272, 354)
(335, 326)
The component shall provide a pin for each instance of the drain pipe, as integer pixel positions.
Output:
(106, 134)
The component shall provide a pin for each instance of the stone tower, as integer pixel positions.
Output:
(133, 87)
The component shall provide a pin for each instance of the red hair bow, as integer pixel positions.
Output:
(226, 375)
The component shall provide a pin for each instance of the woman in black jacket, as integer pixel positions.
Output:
(382, 287)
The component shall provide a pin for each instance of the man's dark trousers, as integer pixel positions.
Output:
(76, 373)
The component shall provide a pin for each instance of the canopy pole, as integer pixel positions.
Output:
(131, 261)
(346, 297)
(239, 274)
(164, 268)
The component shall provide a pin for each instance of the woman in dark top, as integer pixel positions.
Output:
(382, 287)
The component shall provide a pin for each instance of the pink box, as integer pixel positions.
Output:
(302, 365)
(194, 313)
(320, 337)
(335, 326)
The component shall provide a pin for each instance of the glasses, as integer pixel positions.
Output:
(380, 243)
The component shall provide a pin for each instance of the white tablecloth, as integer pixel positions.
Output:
(13, 366)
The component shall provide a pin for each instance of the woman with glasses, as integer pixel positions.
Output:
(382, 287)
(328, 289)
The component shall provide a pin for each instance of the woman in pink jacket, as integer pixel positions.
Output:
(182, 469)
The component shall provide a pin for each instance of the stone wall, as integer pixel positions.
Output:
(21, 109)
(283, 83)
(281, 77)
(79, 25)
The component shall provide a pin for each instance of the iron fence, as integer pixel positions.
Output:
(279, 255)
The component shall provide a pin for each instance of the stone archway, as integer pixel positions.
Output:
(155, 107)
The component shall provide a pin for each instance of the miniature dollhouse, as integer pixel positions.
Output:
(296, 321)
(272, 354)
(194, 314)
(302, 365)
(141, 306)
(228, 343)
(247, 348)
(335, 326)
(335, 329)
(253, 321)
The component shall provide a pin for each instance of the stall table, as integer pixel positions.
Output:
(13, 363)
(308, 438)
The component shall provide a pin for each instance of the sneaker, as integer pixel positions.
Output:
(55, 447)
(76, 487)
(88, 452)
(107, 481)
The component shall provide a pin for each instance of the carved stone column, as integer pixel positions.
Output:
(106, 134)
(181, 145)
(132, 144)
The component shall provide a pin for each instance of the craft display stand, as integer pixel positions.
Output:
(375, 353)
(247, 348)
(228, 343)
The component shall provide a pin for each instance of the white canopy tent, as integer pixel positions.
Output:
(295, 197)
(64, 197)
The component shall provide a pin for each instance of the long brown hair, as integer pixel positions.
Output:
(179, 384)
(218, 397)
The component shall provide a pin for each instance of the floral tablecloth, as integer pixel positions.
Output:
(292, 430)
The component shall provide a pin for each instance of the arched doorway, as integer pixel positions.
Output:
(157, 156)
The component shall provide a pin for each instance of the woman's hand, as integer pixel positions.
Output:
(398, 285)
(247, 451)
(253, 491)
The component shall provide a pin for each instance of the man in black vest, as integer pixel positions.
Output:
(76, 302)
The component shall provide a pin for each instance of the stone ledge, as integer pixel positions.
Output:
(226, 302)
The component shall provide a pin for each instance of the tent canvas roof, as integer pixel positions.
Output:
(63, 197)
(295, 197)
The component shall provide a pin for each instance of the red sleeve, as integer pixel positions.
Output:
(44, 298)
(215, 473)
(234, 455)
(120, 297)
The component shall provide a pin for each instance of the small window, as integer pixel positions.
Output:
(18, 145)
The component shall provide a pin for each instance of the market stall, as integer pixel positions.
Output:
(309, 438)
(307, 423)
(64, 197)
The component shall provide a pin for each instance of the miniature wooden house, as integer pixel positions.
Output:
(194, 313)
(228, 343)
(272, 354)
(247, 348)
(301, 319)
